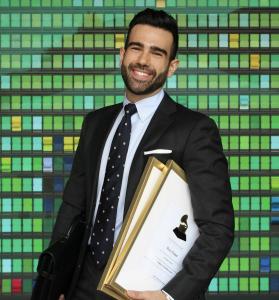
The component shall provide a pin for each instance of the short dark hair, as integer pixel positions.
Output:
(156, 18)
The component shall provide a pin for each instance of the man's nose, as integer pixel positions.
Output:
(144, 58)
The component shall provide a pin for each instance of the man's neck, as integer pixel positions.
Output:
(133, 98)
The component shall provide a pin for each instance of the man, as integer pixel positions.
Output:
(154, 122)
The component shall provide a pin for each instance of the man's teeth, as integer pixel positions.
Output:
(141, 73)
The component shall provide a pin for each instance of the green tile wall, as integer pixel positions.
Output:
(59, 60)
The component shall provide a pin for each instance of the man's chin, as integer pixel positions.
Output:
(140, 92)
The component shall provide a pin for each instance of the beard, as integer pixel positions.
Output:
(139, 87)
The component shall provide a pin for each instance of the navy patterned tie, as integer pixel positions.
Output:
(103, 230)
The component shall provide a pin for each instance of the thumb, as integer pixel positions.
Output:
(61, 297)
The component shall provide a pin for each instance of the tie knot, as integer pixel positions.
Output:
(130, 109)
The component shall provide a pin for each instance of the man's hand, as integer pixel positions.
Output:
(61, 297)
(147, 295)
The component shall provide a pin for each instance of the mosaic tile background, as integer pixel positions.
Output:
(59, 60)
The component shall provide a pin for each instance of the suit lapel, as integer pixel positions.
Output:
(159, 123)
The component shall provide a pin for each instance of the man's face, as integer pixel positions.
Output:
(145, 64)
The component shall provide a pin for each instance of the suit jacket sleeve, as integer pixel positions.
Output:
(207, 173)
(73, 203)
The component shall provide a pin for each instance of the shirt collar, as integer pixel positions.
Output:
(147, 106)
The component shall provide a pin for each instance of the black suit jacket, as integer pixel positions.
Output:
(195, 143)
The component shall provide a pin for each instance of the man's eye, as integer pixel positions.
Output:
(135, 48)
(157, 53)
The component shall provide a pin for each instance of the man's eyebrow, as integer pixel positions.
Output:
(135, 44)
(153, 48)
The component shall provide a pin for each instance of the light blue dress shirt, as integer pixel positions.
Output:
(139, 121)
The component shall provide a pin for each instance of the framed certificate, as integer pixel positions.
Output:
(160, 232)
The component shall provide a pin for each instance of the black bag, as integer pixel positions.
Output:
(57, 264)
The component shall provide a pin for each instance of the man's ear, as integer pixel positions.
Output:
(121, 54)
(173, 67)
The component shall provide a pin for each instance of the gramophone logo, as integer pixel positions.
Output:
(180, 231)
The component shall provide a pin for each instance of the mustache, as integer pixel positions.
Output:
(141, 67)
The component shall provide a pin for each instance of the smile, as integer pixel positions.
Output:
(141, 75)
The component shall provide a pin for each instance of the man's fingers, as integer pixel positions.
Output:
(137, 295)
(146, 295)
(61, 297)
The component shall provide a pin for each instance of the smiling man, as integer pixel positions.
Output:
(147, 61)
(110, 160)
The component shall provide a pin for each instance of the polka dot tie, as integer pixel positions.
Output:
(103, 230)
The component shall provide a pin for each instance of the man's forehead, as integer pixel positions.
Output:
(151, 36)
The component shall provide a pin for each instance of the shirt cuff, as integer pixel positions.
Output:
(168, 297)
